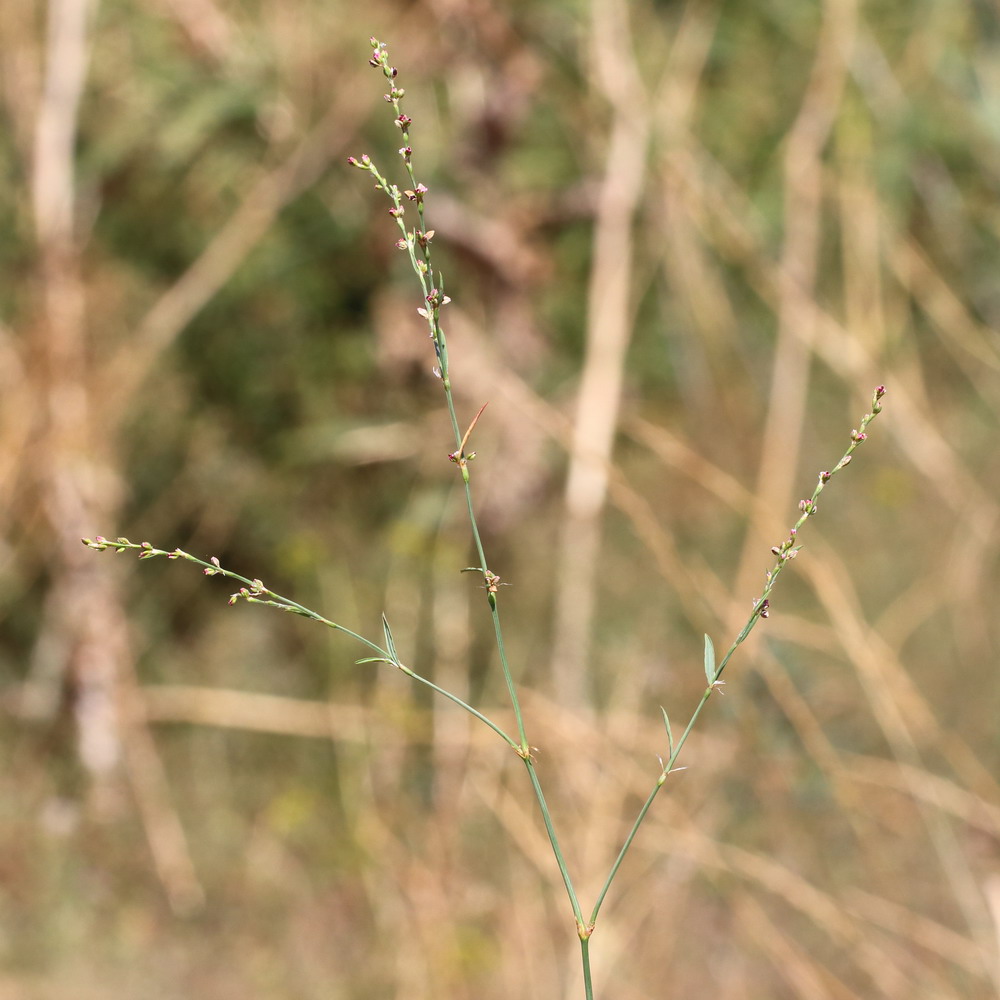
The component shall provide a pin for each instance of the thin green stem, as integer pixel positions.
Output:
(588, 986)
(784, 552)
(458, 701)
(432, 287)
(254, 592)
(554, 842)
(667, 768)
(515, 702)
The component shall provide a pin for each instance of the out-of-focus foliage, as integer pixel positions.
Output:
(207, 339)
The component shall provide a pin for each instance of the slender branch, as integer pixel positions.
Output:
(785, 552)
(417, 243)
(254, 592)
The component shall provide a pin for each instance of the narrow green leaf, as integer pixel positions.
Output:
(670, 735)
(390, 646)
(709, 660)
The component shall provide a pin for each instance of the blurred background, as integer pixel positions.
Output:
(685, 240)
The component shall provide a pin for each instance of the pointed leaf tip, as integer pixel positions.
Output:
(709, 660)
(390, 646)
(670, 735)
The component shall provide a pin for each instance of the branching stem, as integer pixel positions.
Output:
(417, 243)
